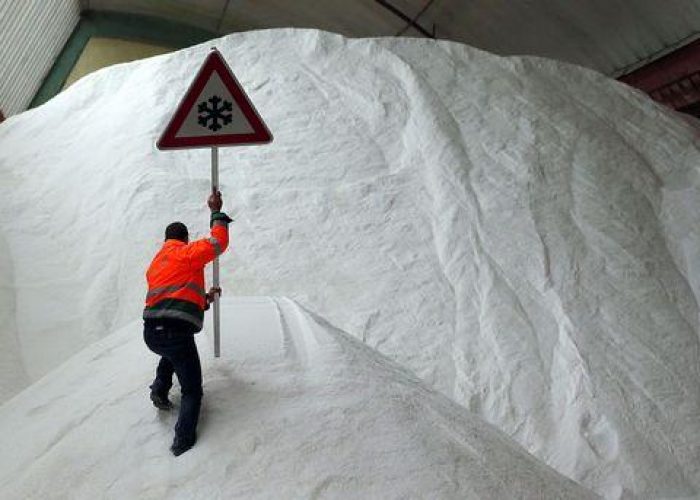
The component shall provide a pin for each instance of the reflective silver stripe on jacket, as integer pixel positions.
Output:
(174, 288)
(217, 246)
(172, 314)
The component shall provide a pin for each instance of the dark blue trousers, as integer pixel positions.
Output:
(174, 342)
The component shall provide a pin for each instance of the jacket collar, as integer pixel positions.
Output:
(174, 243)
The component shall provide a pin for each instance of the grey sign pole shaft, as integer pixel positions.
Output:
(217, 315)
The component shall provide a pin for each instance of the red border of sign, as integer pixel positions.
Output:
(214, 62)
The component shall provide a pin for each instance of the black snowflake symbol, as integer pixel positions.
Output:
(215, 113)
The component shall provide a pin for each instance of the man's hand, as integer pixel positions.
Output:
(213, 292)
(215, 202)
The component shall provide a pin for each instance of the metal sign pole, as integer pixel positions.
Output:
(217, 317)
(208, 116)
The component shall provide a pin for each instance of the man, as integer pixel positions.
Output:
(174, 312)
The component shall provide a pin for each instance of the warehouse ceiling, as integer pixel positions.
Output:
(612, 36)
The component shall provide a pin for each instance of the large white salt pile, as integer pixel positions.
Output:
(305, 412)
(520, 233)
(12, 374)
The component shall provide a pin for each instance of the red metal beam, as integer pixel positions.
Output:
(673, 80)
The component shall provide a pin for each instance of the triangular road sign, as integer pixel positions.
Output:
(214, 112)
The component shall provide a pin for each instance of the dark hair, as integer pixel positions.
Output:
(176, 231)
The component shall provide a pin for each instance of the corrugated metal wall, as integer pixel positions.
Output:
(32, 34)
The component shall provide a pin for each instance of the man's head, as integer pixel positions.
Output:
(177, 231)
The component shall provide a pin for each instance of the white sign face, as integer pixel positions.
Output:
(214, 112)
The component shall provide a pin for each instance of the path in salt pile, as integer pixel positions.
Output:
(293, 407)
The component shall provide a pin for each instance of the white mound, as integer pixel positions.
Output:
(521, 234)
(293, 409)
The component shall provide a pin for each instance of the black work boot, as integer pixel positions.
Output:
(181, 445)
(160, 402)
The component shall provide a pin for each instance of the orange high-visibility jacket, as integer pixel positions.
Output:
(176, 277)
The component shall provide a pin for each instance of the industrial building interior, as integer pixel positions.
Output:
(369, 249)
(47, 45)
